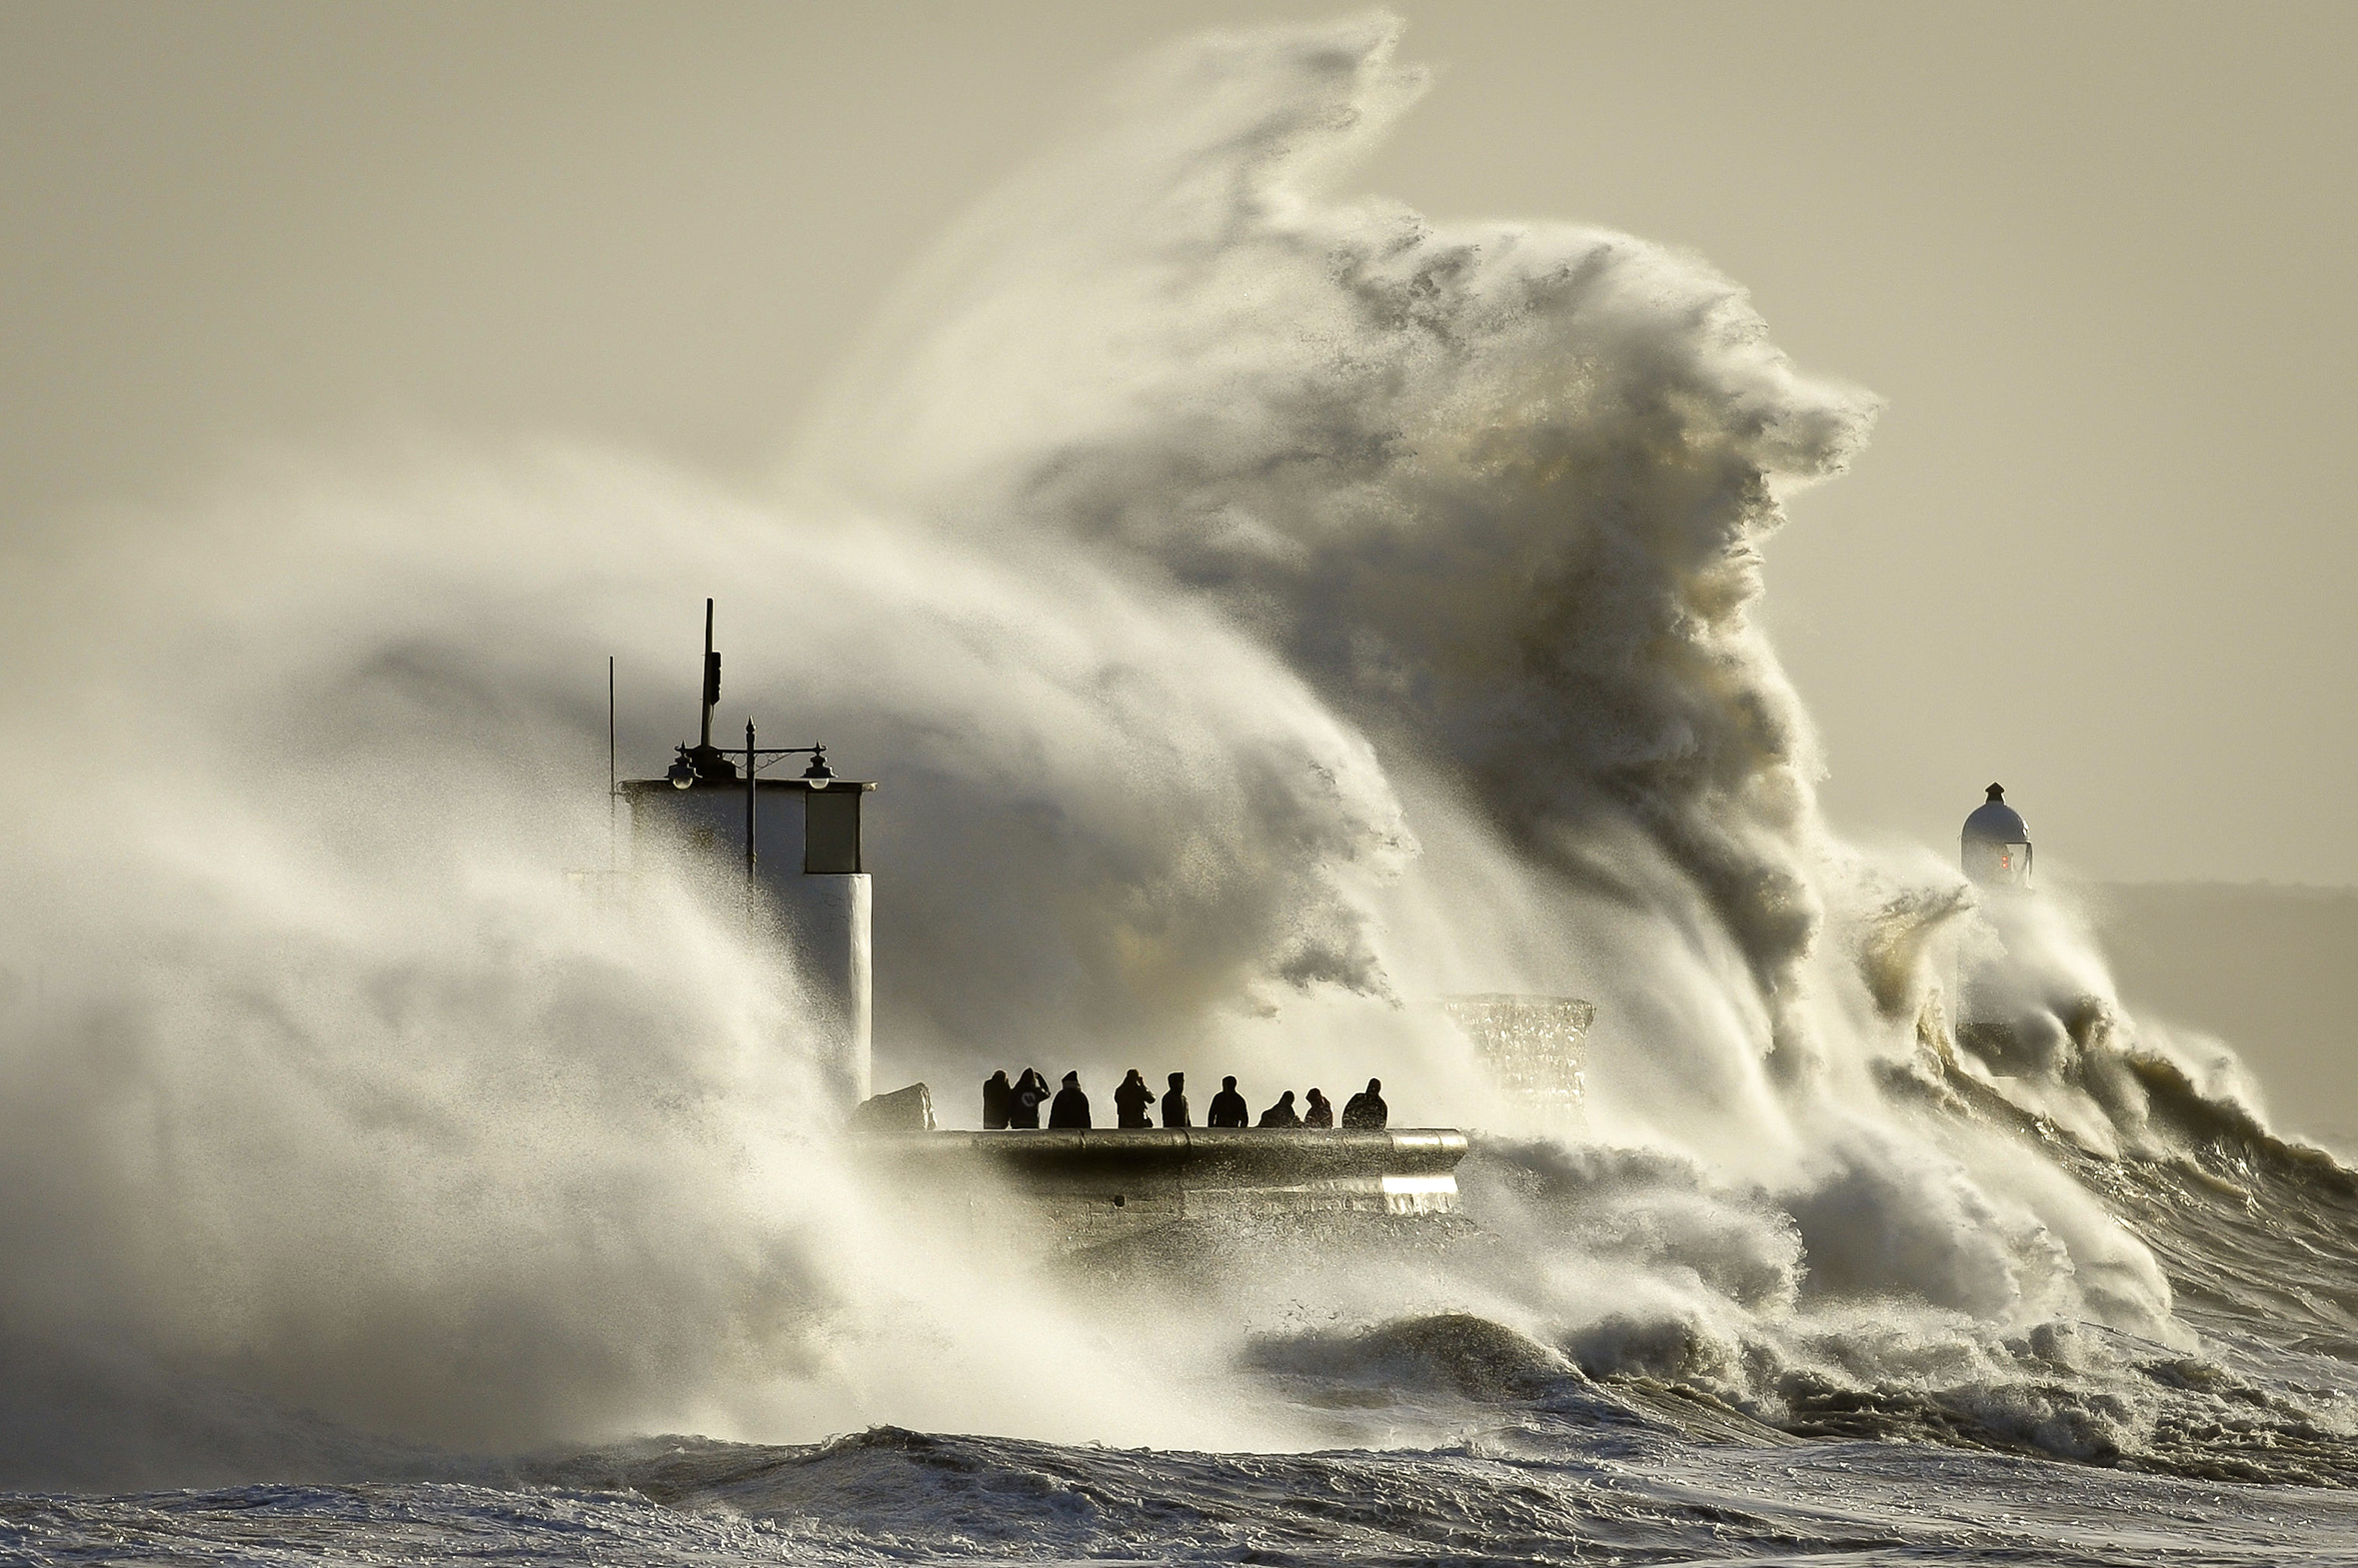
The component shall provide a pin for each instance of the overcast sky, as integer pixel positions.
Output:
(2098, 257)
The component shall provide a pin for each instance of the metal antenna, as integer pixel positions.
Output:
(712, 678)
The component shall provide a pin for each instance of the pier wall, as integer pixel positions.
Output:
(1083, 1189)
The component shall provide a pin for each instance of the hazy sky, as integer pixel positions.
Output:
(2098, 257)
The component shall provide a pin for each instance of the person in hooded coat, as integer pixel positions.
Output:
(1282, 1115)
(1174, 1105)
(1132, 1101)
(998, 1099)
(1369, 1110)
(1228, 1106)
(1321, 1111)
(1072, 1106)
(1023, 1105)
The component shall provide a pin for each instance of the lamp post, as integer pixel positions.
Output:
(817, 775)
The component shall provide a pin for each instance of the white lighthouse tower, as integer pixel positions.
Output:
(792, 846)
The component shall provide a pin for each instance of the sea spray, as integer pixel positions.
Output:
(334, 1089)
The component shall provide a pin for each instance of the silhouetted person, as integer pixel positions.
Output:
(1072, 1106)
(1369, 1110)
(1319, 1113)
(1228, 1106)
(998, 1100)
(1023, 1105)
(1282, 1115)
(1132, 1101)
(1174, 1105)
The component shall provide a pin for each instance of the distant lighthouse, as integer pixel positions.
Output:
(793, 845)
(1994, 848)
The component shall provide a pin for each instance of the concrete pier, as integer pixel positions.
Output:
(1085, 1190)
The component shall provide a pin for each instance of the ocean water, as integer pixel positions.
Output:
(1450, 1437)
(1532, 1493)
(1270, 612)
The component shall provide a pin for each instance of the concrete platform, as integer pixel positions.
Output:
(1099, 1187)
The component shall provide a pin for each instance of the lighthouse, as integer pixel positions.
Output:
(1994, 848)
(790, 847)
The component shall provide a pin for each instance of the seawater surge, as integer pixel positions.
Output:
(1269, 612)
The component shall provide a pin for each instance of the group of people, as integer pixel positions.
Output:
(1017, 1105)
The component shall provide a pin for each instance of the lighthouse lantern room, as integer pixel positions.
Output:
(1994, 848)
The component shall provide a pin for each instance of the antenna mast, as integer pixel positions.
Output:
(712, 678)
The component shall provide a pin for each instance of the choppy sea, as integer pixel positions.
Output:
(1460, 1440)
